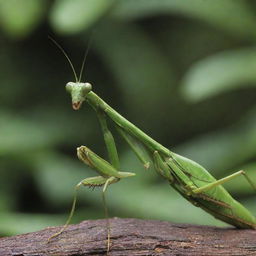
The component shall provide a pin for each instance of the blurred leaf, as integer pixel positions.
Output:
(249, 203)
(221, 72)
(19, 135)
(18, 223)
(20, 17)
(233, 16)
(5, 199)
(73, 16)
(239, 185)
(134, 67)
(11, 182)
(59, 174)
(218, 150)
(60, 123)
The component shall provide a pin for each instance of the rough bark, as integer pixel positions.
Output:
(132, 237)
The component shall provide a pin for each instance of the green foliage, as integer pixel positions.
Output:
(235, 17)
(221, 72)
(184, 73)
(20, 17)
(74, 16)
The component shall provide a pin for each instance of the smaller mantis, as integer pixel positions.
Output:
(190, 179)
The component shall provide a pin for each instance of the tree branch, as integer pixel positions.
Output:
(132, 237)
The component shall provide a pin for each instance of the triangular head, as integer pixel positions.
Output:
(78, 92)
(77, 89)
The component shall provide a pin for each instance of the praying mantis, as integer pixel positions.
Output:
(187, 177)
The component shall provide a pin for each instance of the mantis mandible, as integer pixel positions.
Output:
(189, 178)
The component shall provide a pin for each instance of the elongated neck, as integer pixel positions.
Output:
(96, 102)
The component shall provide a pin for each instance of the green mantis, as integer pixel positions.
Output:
(189, 178)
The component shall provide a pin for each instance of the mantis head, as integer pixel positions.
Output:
(78, 92)
(77, 89)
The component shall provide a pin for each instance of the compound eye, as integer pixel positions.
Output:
(88, 86)
(69, 86)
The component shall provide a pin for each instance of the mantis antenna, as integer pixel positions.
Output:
(70, 62)
(66, 55)
(84, 59)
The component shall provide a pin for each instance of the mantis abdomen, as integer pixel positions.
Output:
(215, 199)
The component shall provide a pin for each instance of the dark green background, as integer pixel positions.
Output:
(184, 71)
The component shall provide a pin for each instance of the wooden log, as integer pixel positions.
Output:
(132, 237)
